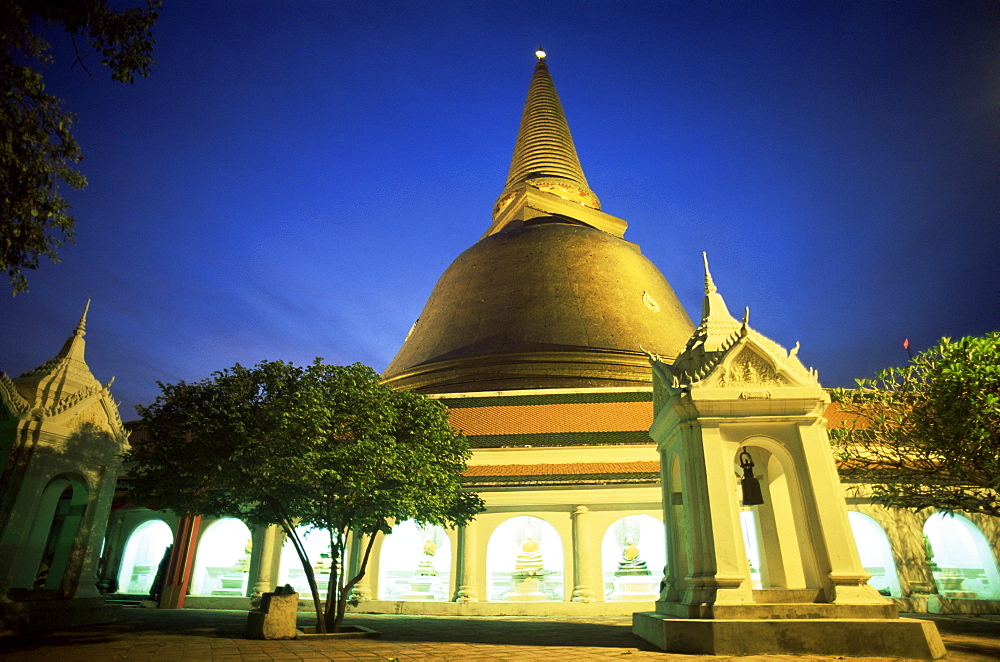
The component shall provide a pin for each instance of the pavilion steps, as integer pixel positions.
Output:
(125, 600)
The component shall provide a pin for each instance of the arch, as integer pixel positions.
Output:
(876, 553)
(141, 558)
(48, 560)
(961, 559)
(524, 561)
(415, 563)
(317, 545)
(787, 559)
(222, 562)
(633, 552)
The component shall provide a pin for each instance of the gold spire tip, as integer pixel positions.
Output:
(81, 326)
(709, 284)
(540, 53)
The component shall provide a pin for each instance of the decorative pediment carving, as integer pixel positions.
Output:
(93, 407)
(747, 370)
(94, 416)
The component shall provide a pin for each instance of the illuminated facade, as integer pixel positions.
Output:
(538, 338)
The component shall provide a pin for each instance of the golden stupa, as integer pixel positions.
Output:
(551, 296)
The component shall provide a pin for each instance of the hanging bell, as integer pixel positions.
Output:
(752, 495)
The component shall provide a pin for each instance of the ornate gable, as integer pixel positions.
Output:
(726, 353)
(750, 363)
(65, 392)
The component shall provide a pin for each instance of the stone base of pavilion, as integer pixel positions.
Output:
(805, 632)
(40, 613)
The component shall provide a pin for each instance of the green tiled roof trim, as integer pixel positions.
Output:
(651, 478)
(559, 439)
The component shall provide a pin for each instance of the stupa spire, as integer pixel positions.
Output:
(544, 154)
(544, 146)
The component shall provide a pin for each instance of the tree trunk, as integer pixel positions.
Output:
(342, 601)
(300, 550)
(337, 544)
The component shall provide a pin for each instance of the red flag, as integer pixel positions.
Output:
(906, 343)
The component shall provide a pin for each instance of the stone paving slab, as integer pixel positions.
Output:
(194, 635)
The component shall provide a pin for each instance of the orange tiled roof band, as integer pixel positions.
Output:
(577, 468)
(535, 419)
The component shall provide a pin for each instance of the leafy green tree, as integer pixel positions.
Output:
(928, 434)
(37, 148)
(320, 445)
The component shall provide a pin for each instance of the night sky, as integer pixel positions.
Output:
(294, 176)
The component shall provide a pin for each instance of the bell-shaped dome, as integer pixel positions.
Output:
(548, 304)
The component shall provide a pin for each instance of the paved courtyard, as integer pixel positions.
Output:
(147, 634)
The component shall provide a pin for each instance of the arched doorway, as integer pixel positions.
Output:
(876, 554)
(415, 563)
(524, 561)
(961, 559)
(142, 556)
(775, 531)
(633, 554)
(48, 561)
(222, 563)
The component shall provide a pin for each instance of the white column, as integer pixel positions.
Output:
(363, 589)
(827, 508)
(719, 571)
(468, 590)
(675, 520)
(906, 538)
(265, 567)
(583, 585)
(114, 547)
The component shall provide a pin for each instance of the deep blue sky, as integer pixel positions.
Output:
(294, 176)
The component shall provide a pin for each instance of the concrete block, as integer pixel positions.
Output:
(276, 617)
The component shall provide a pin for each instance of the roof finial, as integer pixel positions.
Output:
(710, 287)
(713, 306)
(81, 328)
(540, 53)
